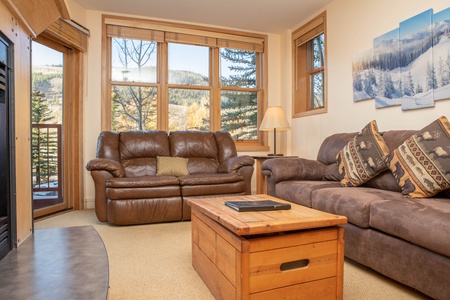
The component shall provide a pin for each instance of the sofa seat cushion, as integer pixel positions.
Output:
(299, 192)
(354, 203)
(142, 187)
(205, 179)
(144, 211)
(143, 181)
(424, 222)
(211, 184)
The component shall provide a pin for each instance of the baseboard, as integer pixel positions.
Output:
(89, 203)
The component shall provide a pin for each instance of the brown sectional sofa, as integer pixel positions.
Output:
(129, 191)
(405, 239)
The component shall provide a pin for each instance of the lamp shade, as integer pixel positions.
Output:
(274, 118)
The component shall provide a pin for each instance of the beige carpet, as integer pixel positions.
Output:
(154, 262)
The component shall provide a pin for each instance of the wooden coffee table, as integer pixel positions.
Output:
(283, 254)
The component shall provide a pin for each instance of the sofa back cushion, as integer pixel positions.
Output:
(139, 149)
(225, 145)
(200, 148)
(108, 145)
(334, 144)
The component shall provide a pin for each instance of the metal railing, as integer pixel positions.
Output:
(47, 161)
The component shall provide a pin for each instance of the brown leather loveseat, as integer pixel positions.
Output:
(130, 190)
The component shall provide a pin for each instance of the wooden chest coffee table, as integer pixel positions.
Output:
(282, 254)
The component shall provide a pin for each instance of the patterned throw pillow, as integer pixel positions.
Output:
(175, 166)
(363, 157)
(421, 165)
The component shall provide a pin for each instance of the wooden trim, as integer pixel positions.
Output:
(185, 28)
(38, 15)
(72, 36)
(163, 92)
(215, 103)
(190, 39)
(130, 33)
(313, 25)
(106, 85)
(301, 94)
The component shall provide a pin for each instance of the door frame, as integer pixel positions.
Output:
(73, 188)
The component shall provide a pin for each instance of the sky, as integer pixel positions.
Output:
(416, 23)
(44, 56)
(442, 15)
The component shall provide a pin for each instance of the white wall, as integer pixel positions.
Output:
(351, 27)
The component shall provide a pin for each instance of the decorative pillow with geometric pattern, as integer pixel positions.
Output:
(421, 165)
(363, 157)
(174, 166)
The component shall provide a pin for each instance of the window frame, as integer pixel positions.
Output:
(302, 95)
(187, 34)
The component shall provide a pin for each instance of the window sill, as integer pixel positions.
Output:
(310, 113)
(250, 147)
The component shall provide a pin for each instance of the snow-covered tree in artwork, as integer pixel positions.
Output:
(408, 85)
(431, 77)
(389, 89)
(369, 83)
(357, 82)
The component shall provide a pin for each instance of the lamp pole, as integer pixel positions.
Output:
(274, 144)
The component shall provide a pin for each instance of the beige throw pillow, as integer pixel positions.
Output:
(175, 166)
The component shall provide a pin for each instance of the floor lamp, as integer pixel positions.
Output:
(274, 119)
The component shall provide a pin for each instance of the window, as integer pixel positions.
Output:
(171, 77)
(309, 57)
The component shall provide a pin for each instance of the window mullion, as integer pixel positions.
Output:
(215, 99)
(163, 92)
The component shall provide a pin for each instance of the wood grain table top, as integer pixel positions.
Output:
(263, 222)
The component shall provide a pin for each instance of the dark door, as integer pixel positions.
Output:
(5, 149)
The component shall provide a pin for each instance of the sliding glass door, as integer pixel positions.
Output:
(48, 94)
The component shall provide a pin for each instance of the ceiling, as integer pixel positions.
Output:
(266, 16)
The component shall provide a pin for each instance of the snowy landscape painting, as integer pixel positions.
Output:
(363, 78)
(408, 66)
(416, 48)
(386, 68)
(441, 54)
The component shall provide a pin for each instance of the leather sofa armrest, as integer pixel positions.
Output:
(106, 164)
(282, 169)
(242, 164)
(235, 163)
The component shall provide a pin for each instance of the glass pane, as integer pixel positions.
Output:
(318, 51)
(317, 94)
(133, 60)
(237, 68)
(188, 64)
(133, 108)
(239, 114)
(188, 109)
(46, 117)
(47, 84)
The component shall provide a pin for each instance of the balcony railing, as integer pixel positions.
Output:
(47, 164)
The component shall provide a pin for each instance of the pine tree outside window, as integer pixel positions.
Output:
(239, 93)
(171, 77)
